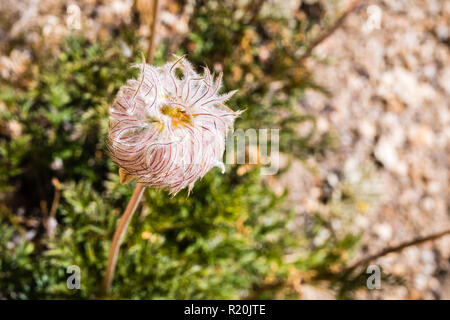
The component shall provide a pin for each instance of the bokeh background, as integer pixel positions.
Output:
(364, 119)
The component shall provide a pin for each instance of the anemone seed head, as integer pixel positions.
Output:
(168, 127)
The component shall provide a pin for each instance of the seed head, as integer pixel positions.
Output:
(168, 127)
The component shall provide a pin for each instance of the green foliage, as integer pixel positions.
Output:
(228, 239)
(15, 262)
(212, 246)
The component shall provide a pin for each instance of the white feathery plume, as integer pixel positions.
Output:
(168, 127)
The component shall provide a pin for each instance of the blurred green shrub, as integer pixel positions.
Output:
(229, 239)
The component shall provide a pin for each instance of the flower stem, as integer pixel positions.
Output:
(151, 44)
(118, 235)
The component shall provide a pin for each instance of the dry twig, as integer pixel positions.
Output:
(339, 22)
(398, 248)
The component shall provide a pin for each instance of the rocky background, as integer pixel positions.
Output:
(390, 106)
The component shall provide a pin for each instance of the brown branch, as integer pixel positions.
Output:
(259, 289)
(253, 8)
(355, 5)
(50, 223)
(400, 247)
(56, 197)
(154, 22)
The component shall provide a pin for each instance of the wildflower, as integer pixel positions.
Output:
(168, 127)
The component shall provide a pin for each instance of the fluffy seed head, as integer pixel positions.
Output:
(168, 127)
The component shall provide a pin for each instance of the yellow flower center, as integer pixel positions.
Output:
(179, 116)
